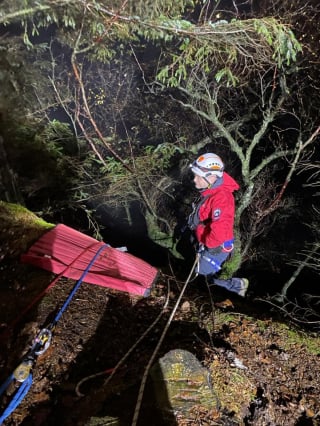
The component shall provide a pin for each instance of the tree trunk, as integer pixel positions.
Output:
(9, 191)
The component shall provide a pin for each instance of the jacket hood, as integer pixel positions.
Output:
(226, 182)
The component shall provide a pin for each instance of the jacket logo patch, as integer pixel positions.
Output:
(216, 214)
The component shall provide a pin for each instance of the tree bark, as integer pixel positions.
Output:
(9, 190)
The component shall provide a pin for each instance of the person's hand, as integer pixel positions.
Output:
(201, 247)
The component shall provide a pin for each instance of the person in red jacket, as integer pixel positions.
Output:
(212, 220)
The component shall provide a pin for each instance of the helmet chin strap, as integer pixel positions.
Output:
(209, 183)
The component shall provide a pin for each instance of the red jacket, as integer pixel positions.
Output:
(215, 213)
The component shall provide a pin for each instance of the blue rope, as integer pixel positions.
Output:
(18, 397)
(75, 288)
(26, 384)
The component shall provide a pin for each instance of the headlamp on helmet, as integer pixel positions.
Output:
(207, 165)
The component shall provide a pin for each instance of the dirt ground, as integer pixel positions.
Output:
(91, 371)
(100, 326)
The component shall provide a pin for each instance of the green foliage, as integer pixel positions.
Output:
(160, 156)
(152, 161)
(68, 21)
(229, 268)
(155, 8)
(281, 38)
(226, 73)
(155, 233)
(261, 28)
(221, 53)
(58, 138)
(176, 24)
(297, 338)
(26, 39)
(231, 48)
(163, 75)
(113, 168)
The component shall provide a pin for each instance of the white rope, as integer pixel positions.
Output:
(123, 359)
(146, 372)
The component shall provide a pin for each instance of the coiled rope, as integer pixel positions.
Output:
(23, 373)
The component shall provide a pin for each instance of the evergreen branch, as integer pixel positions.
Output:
(20, 14)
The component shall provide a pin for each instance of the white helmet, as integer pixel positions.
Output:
(207, 165)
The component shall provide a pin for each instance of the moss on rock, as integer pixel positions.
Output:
(20, 229)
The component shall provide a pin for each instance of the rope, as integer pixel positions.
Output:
(212, 312)
(92, 376)
(10, 326)
(41, 343)
(77, 285)
(126, 355)
(146, 372)
(18, 397)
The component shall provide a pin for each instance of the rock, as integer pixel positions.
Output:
(181, 383)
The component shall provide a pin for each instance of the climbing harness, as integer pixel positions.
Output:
(215, 266)
(23, 373)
